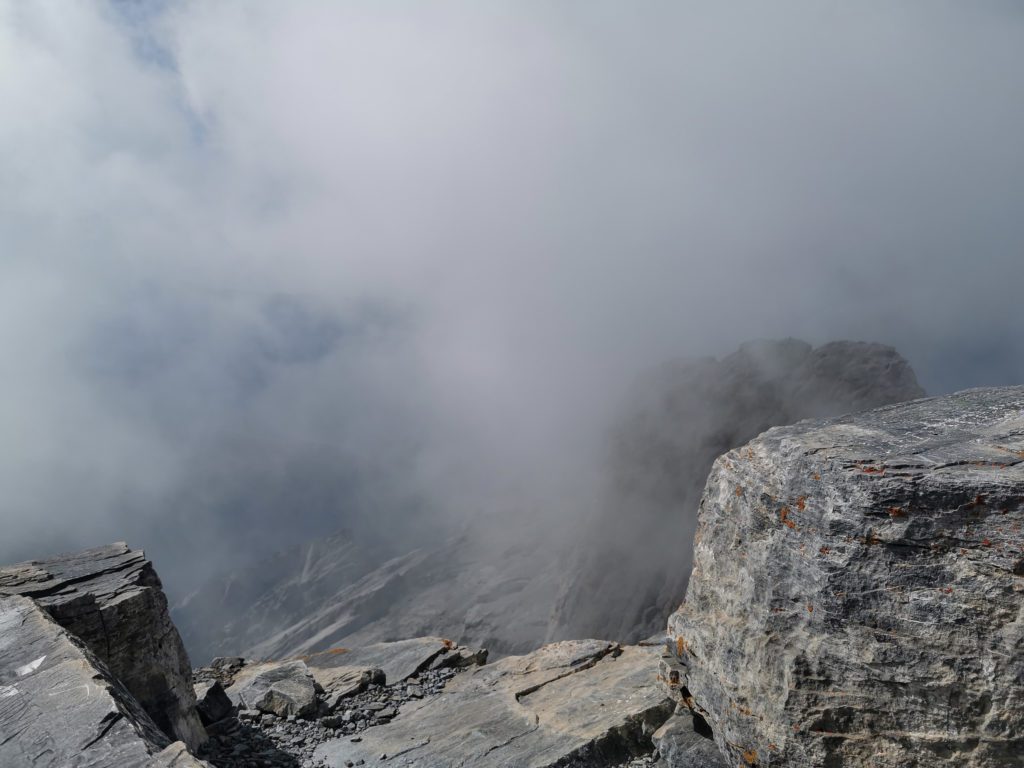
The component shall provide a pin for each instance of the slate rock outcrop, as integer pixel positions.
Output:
(60, 706)
(857, 595)
(111, 599)
(584, 702)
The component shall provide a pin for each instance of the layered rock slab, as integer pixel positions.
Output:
(111, 599)
(398, 660)
(577, 702)
(857, 596)
(60, 706)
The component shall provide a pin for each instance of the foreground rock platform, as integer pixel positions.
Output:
(111, 599)
(60, 706)
(857, 596)
(572, 703)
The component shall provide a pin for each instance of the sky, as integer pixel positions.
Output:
(271, 269)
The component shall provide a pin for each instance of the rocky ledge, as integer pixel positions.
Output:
(111, 599)
(576, 703)
(857, 596)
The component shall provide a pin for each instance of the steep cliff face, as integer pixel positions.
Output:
(857, 595)
(110, 599)
(60, 706)
(634, 553)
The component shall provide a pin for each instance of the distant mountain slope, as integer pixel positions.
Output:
(617, 575)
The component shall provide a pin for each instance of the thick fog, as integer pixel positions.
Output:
(272, 269)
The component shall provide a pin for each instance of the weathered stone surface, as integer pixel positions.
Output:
(579, 702)
(177, 756)
(398, 661)
(212, 703)
(341, 682)
(111, 599)
(681, 746)
(59, 705)
(280, 688)
(460, 658)
(857, 596)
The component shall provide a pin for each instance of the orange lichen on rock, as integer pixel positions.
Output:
(801, 503)
(897, 512)
(784, 518)
(750, 757)
(680, 646)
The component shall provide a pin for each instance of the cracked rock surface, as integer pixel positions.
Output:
(857, 596)
(60, 706)
(111, 599)
(574, 703)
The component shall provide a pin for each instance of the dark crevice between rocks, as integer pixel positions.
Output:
(107, 723)
(630, 740)
(701, 726)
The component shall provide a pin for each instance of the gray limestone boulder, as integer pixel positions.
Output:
(60, 706)
(857, 595)
(584, 702)
(111, 599)
(279, 688)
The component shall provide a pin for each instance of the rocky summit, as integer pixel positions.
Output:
(856, 599)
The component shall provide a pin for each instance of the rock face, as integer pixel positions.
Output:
(857, 596)
(683, 417)
(60, 706)
(111, 599)
(580, 703)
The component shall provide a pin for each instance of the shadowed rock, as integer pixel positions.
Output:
(857, 594)
(111, 599)
(60, 706)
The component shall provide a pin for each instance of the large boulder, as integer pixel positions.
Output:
(583, 703)
(60, 705)
(857, 596)
(279, 688)
(111, 599)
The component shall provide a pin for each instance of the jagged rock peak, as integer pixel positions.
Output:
(857, 595)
